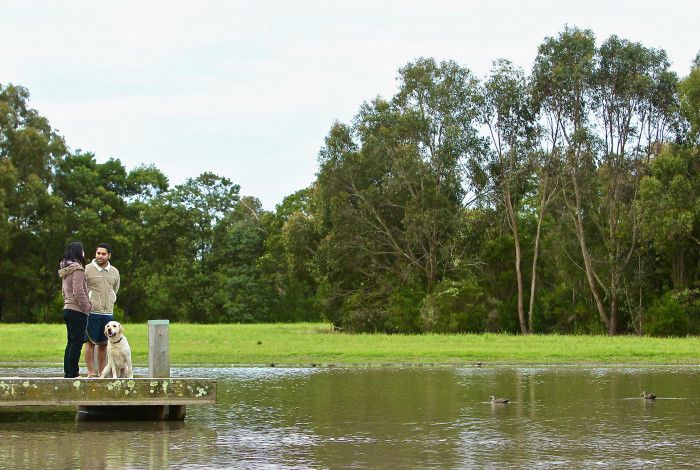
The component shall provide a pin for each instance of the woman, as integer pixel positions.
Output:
(76, 305)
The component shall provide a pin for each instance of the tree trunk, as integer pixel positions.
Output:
(533, 280)
(587, 262)
(678, 267)
(612, 327)
(614, 281)
(641, 312)
(433, 272)
(516, 238)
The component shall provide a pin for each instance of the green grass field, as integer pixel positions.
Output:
(317, 343)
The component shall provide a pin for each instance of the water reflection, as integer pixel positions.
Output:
(97, 445)
(388, 418)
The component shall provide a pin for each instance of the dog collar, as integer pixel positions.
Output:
(115, 342)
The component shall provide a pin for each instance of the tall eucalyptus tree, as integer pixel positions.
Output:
(508, 114)
(563, 73)
(633, 104)
(607, 111)
(391, 187)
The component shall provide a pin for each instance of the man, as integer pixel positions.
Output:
(103, 285)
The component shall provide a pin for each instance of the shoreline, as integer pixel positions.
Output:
(379, 365)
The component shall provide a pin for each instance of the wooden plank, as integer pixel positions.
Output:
(18, 391)
(158, 348)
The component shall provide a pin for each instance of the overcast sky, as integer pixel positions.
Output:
(249, 89)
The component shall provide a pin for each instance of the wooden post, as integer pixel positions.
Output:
(158, 348)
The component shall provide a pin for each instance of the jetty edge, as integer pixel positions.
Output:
(137, 398)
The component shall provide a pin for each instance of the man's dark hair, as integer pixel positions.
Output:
(74, 252)
(105, 246)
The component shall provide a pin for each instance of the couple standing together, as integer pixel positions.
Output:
(89, 293)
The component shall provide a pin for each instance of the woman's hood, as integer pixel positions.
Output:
(68, 267)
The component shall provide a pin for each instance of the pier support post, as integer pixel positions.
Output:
(159, 361)
(158, 348)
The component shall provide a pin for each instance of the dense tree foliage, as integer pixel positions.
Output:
(564, 200)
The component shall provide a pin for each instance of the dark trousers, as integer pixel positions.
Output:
(75, 326)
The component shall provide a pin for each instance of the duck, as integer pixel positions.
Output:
(648, 396)
(498, 400)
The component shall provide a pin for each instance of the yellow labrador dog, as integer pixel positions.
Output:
(118, 352)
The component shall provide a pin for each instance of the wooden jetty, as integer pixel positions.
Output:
(156, 397)
(147, 398)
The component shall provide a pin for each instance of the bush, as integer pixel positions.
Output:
(503, 316)
(455, 307)
(403, 311)
(361, 312)
(558, 312)
(371, 311)
(670, 315)
(329, 302)
(689, 300)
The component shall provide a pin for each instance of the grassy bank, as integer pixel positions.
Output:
(316, 343)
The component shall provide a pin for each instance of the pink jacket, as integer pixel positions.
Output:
(74, 286)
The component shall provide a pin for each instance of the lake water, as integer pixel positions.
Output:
(387, 417)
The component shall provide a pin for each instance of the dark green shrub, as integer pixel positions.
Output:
(667, 317)
(689, 300)
(557, 311)
(362, 313)
(378, 311)
(503, 316)
(403, 311)
(455, 306)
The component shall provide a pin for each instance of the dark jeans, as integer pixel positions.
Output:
(75, 326)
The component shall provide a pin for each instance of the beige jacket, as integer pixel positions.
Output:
(103, 285)
(74, 287)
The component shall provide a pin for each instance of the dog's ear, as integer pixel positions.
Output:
(104, 330)
(121, 329)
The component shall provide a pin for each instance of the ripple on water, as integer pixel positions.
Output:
(245, 373)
